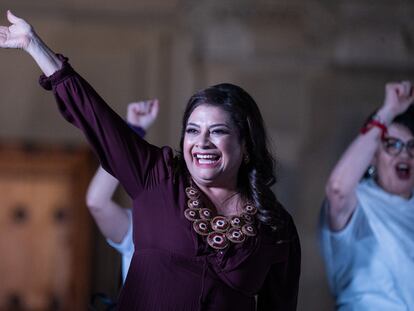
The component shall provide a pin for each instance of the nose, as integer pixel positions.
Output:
(204, 141)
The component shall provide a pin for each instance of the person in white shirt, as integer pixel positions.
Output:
(114, 221)
(367, 224)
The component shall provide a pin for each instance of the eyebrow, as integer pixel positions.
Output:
(399, 139)
(211, 126)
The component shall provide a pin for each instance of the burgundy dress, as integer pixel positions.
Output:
(173, 268)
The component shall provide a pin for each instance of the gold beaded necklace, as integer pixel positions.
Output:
(219, 230)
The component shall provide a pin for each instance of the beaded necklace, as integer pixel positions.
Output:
(219, 230)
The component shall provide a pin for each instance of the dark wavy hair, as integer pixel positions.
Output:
(406, 119)
(257, 175)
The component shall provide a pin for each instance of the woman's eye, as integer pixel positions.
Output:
(191, 131)
(219, 131)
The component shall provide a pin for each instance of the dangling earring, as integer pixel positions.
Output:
(371, 171)
(246, 159)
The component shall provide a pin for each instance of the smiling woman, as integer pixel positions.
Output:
(367, 223)
(212, 148)
(209, 233)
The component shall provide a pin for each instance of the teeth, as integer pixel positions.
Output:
(205, 156)
(402, 166)
(205, 161)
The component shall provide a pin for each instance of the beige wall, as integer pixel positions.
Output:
(316, 69)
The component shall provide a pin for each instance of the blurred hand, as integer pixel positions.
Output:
(143, 113)
(398, 96)
(17, 36)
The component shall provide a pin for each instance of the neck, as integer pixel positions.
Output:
(407, 194)
(225, 200)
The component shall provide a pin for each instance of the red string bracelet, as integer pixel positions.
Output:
(375, 123)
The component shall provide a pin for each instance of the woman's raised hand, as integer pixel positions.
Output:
(398, 97)
(143, 113)
(18, 35)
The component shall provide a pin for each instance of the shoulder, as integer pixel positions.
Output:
(284, 233)
(168, 155)
(162, 160)
(287, 228)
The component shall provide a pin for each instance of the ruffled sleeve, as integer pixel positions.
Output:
(58, 76)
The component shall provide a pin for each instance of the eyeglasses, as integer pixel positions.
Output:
(393, 146)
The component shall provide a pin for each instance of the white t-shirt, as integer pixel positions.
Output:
(125, 248)
(370, 263)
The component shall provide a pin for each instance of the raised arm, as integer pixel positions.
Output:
(113, 220)
(342, 183)
(134, 162)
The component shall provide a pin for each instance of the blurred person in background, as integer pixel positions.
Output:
(367, 219)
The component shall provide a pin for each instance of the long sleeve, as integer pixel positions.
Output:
(134, 162)
(280, 289)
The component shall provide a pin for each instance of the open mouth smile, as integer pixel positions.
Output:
(403, 170)
(206, 158)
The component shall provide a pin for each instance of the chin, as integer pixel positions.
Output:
(401, 191)
(205, 179)
(407, 192)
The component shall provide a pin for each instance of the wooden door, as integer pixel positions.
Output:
(45, 228)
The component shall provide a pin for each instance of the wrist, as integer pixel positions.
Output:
(385, 115)
(46, 59)
(137, 129)
(33, 43)
(375, 121)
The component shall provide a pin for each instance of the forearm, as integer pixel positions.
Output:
(342, 183)
(46, 59)
(356, 159)
(353, 163)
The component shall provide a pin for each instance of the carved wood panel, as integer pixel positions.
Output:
(45, 237)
